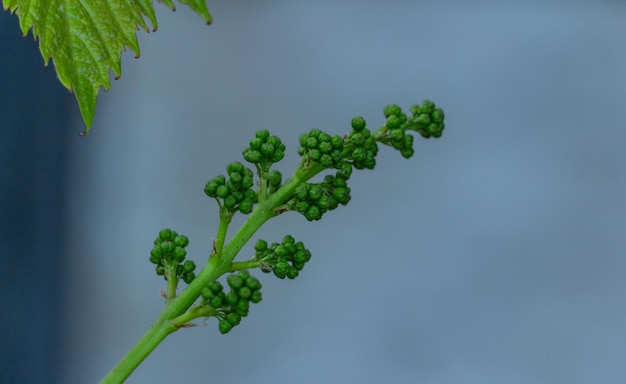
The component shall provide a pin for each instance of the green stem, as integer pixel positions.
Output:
(148, 342)
(239, 265)
(172, 282)
(225, 218)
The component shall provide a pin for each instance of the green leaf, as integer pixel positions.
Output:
(85, 38)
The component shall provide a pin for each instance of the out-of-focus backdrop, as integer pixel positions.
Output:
(495, 255)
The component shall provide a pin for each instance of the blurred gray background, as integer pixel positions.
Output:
(495, 255)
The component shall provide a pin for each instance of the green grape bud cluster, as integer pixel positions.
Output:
(360, 146)
(396, 130)
(312, 200)
(234, 305)
(427, 119)
(321, 147)
(264, 149)
(169, 255)
(236, 192)
(285, 259)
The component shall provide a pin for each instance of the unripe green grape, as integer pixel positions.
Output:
(216, 287)
(167, 247)
(230, 202)
(302, 206)
(235, 167)
(298, 266)
(160, 270)
(244, 292)
(181, 240)
(167, 234)
(313, 213)
(244, 274)
(358, 123)
(358, 154)
(222, 191)
(302, 139)
(288, 239)
(246, 206)
(338, 182)
(292, 273)
(315, 154)
(206, 293)
(337, 142)
(393, 122)
(275, 178)
(427, 107)
(358, 138)
(280, 251)
(256, 297)
(408, 141)
(250, 195)
(315, 192)
(248, 179)
(267, 149)
(235, 177)
(342, 195)
(242, 307)
(326, 161)
(437, 116)
(435, 130)
(189, 266)
(326, 146)
(392, 109)
(311, 143)
(188, 277)
(233, 319)
(256, 143)
(179, 254)
(216, 301)
(253, 283)
(262, 134)
(234, 281)
(231, 298)
(211, 188)
(423, 119)
(260, 245)
(323, 203)
(302, 191)
(156, 252)
(396, 134)
(407, 153)
(280, 270)
(300, 257)
(275, 141)
(278, 155)
(332, 203)
(337, 157)
(252, 156)
(225, 326)
(315, 132)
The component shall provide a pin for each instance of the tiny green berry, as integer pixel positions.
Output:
(225, 326)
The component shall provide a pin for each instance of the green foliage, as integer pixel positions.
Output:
(84, 39)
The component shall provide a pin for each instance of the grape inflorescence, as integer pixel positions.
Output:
(263, 194)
